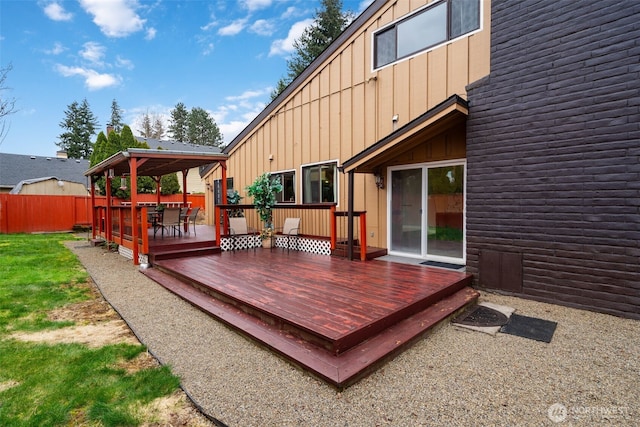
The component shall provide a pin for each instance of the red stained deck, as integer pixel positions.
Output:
(336, 318)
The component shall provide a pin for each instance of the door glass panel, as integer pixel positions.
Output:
(445, 211)
(406, 211)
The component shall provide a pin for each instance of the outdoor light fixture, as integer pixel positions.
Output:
(111, 174)
(123, 182)
(379, 180)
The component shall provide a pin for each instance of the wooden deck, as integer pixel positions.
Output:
(338, 319)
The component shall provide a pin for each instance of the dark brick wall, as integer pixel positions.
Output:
(553, 153)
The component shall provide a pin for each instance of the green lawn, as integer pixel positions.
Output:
(61, 384)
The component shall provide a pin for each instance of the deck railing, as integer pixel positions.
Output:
(319, 221)
(121, 231)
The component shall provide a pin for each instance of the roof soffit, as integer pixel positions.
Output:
(449, 113)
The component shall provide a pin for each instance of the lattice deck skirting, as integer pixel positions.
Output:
(128, 253)
(305, 244)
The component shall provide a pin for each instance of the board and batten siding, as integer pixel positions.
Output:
(344, 106)
(553, 155)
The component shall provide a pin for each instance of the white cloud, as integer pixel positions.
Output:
(56, 12)
(285, 46)
(209, 26)
(241, 109)
(151, 34)
(252, 5)
(250, 94)
(93, 52)
(92, 79)
(262, 27)
(116, 18)
(57, 49)
(234, 28)
(290, 12)
(124, 63)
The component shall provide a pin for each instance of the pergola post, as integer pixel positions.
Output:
(133, 174)
(92, 183)
(108, 217)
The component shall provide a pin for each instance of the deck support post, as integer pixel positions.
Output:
(350, 217)
(133, 174)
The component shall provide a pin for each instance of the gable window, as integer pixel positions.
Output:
(438, 23)
(319, 183)
(288, 181)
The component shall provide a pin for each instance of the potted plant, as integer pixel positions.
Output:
(263, 190)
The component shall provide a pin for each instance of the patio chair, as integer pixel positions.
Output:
(171, 221)
(184, 212)
(238, 228)
(289, 232)
(193, 215)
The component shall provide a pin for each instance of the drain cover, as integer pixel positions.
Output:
(482, 316)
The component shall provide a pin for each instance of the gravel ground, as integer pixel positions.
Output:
(588, 375)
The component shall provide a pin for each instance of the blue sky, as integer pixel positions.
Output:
(223, 55)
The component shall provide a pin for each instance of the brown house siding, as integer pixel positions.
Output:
(553, 155)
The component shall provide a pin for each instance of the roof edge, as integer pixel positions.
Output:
(330, 50)
(453, 100)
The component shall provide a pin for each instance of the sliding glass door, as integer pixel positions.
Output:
(426, 211)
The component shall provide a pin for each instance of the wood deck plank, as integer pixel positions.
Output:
(327, 296)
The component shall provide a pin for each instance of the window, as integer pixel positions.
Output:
(288, 181)
(437, 24)
(217, 190)
(319, 183)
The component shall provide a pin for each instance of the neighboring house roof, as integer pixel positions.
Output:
(15, 168)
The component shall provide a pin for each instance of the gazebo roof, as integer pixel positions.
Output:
(155, 162)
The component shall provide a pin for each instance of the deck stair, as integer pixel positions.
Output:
(183, 250)
(344, 334)
(372, 252)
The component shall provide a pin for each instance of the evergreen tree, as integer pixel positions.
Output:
(202, 129)
(99, 149)
(116, 116)
(328, 23)
(169, 184)
(179, 122)
(127, 140)
(80, 124)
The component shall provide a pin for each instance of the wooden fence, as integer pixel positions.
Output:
(21, 213)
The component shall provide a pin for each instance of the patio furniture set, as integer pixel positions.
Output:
(172, 219)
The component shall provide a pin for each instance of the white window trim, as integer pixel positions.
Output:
(427, 50)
